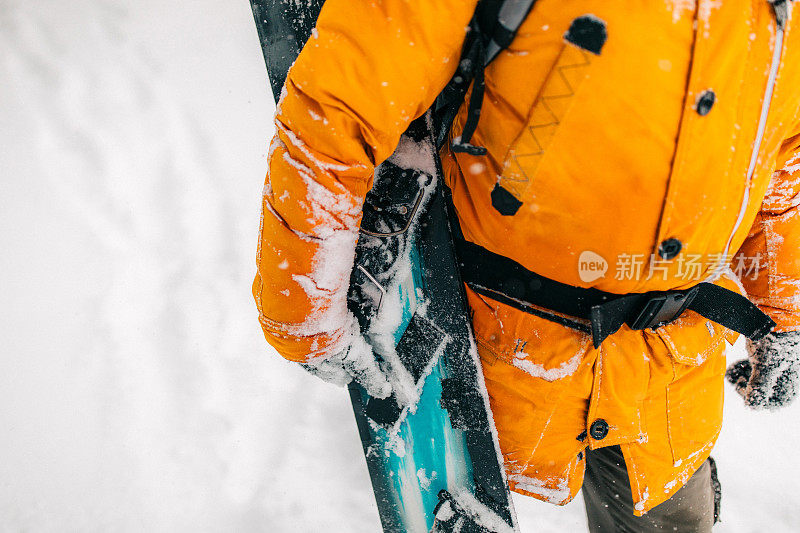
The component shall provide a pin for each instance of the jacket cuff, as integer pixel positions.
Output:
(301, 348)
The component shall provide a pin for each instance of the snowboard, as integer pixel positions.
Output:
(431, 448)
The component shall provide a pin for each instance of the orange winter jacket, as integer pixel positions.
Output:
(670, 158)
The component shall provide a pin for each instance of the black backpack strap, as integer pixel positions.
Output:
(491, 30)
(509, 19)
(595, 312)
(598, 312)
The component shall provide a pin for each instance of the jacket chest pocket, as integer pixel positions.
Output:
(583, 41)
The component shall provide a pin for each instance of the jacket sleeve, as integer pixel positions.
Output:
(769, 260)
(369, 69)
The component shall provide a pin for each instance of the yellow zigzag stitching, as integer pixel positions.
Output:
(545, 117)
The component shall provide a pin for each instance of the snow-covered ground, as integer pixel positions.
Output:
(136, 391)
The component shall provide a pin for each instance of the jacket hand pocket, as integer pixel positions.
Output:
(535, 345)
(694, 409)
(692, 339)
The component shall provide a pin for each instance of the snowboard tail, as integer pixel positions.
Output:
(431, 448)
(283, 28)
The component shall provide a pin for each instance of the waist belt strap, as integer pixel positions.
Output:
(505, 280)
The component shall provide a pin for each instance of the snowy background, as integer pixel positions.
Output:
(136, 390)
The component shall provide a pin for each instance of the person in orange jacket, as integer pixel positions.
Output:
(662, 157)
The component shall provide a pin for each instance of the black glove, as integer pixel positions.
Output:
(770, 378)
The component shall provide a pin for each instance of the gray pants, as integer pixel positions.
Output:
(609, 502)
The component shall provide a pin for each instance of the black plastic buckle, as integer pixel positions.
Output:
(662, 308)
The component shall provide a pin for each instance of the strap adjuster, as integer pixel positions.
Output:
(663, 308)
